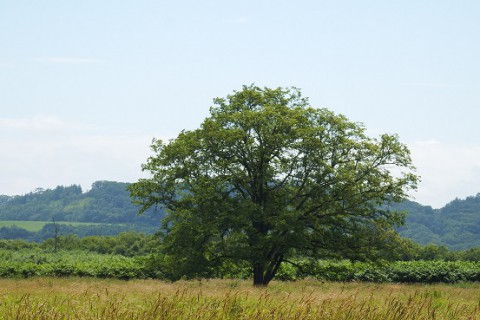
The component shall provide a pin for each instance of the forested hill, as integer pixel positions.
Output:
(106, 202)
(456, 226)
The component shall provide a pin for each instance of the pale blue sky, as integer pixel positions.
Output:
(85, 86)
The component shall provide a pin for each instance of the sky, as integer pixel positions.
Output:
(86, 85)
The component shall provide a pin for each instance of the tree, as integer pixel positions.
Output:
(266, 178)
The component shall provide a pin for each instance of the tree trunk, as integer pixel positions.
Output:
(262, 275)
(258, 277)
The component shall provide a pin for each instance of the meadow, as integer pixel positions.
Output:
(38, 282)
(88, 298)
(35, 226)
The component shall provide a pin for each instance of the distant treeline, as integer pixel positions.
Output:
(128, 244)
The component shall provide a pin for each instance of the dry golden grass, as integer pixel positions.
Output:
(75, 298)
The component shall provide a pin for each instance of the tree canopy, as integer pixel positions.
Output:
(267, 177)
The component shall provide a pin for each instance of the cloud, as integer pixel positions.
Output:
(67, 60)
(448, 171)
(46, 151)
(48, 162)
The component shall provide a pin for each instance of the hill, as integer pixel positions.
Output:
(106, 206)
(456, 226)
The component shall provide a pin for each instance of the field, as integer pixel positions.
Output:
(87, 298)
(35, 226)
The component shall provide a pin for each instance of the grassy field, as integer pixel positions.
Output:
(35, 226)
(73, 298)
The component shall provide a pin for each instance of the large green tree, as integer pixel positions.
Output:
(267, 177)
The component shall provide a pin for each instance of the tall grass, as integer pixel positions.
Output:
(73, 298)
